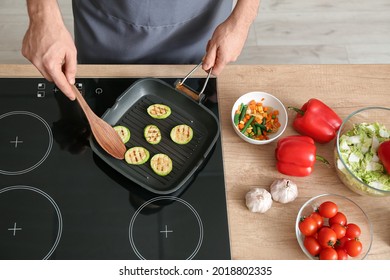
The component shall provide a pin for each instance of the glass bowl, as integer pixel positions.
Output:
(349, 208)
(362, 171)
(269, 101)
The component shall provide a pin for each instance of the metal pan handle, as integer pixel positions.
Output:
(180, 86)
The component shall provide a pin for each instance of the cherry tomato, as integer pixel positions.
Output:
(327, 237)
(328, 209)
(308, 226)
(341, 254)
(353, 231)
(319, 219)
(312, 246)
(353, 247)
(339, 218)
(340, 230)
(341, 242)
(328, 254)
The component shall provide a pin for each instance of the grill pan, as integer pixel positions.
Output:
(130, 110)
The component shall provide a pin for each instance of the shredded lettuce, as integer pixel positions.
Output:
(358, 149)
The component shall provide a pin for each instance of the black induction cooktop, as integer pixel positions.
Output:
(58, 200)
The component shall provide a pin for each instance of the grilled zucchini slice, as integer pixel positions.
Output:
(182, 134)
(137, 155)
(161, 164)
(123, 132)
(159, 111)
(152, 134)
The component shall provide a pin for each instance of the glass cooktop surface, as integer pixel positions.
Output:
(59, 200)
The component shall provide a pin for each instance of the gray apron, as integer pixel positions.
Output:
(145, 31)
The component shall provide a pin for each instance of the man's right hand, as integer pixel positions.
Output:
(50, 47)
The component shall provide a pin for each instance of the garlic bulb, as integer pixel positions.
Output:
(284, 190)
(258, 200)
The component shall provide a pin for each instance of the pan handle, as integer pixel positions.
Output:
(180, 86)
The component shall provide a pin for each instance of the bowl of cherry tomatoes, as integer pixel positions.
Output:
(333, 227)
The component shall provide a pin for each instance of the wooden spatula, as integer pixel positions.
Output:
(104, 133)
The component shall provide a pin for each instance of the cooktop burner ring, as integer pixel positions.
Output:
(16, 141)
(167, 230)
(17, 227)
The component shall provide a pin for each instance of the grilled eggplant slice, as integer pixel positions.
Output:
(136, 155)
(182, 134)
(161, 164)
(159, 111)
(123, 132)
(152, 134)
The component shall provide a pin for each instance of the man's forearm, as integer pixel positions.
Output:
(245, 12)
(43, 9)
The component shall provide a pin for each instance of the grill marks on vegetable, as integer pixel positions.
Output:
(181, 134)
(136, 155)
(123, 132)
(159, 111)
(161, 164)
(152, 134)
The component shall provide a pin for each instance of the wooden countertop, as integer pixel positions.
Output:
(344, 88)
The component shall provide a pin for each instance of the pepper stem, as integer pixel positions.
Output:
(299, 111)
(322, 159)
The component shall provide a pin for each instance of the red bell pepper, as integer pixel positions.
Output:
(316, 120)
(296, 155)
(384, 154)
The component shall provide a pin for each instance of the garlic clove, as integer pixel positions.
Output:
(284, 190)
(258, 200)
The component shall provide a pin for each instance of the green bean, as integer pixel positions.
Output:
(247, 124)
(254, 129)
(243, 112)
(260, 129)
(236, 118)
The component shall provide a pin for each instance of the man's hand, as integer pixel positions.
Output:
(224, 47)
(229, 37)
(50, 47)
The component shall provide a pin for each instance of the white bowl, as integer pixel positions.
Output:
(268, 100)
